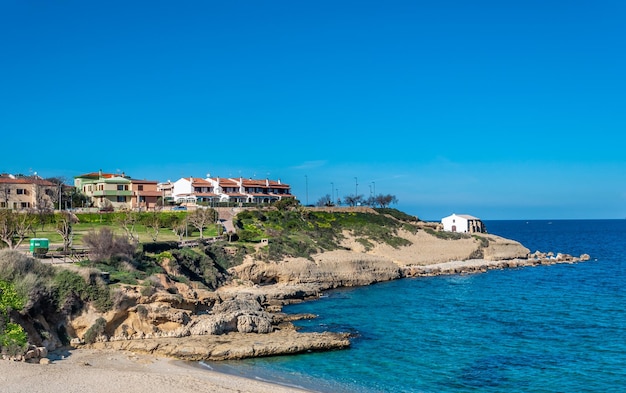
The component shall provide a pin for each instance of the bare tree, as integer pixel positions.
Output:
(179, 228)
(353, 200)
(43, 203)
(385, 200)
(128, 219)
(324, 201)
(201, 218)
(153, 225)
(7, 227)
(5, 194)
(64, 227)
(104, 244)
(24, 223)
(14, 227)
(56, 194)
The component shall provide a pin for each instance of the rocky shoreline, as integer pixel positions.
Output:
(251, 324)
(232, 346)
(244, 318)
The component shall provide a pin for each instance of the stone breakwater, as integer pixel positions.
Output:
(482, 266)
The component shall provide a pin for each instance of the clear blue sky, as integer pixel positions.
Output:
(499, 109)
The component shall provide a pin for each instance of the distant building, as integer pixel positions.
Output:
(105, 190)
(191, 190)
(462, 223)
(166, 189)
(32, 192)
(144, 194)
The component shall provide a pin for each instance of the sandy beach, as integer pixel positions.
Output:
(106, 371)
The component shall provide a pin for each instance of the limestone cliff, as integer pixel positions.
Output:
(355, 265)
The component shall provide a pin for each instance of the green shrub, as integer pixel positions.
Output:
(95, 330)
(400, 215)
(13, 338)
(446, 235)
(366, 243)
(142, 311)
(158, 247)
(70, 286)
(484, 242)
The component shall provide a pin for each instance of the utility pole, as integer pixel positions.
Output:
(306, 179)
(356, 187)
(60, 193)
(332, 193)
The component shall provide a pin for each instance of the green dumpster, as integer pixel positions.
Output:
(39, 246)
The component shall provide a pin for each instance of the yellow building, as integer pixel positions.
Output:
(22, 193)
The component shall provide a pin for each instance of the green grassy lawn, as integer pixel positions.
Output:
(80, 229)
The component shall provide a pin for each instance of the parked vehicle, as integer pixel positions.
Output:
(179, 208)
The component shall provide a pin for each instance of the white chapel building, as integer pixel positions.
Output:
(463, 223)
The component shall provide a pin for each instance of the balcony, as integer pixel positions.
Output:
(108, 193)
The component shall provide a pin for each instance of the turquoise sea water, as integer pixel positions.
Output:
(559, 328)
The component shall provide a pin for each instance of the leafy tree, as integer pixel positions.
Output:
(77, 198)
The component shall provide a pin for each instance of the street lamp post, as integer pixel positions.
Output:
(332, 192)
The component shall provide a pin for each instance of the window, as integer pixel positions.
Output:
(20, 191)
(120, 187)
(140, 187)
(25, 205)
(121, 199)
(3, 205)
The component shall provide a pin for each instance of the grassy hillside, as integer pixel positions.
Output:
(301, 232)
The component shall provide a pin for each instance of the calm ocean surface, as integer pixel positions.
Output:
(559, 328)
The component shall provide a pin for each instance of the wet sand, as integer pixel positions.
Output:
(106, 371)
